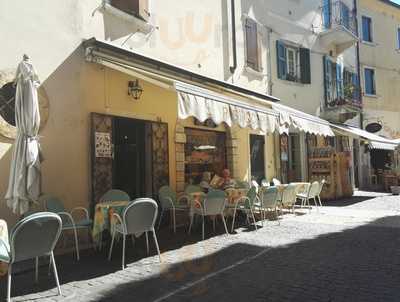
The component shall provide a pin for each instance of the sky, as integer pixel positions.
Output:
(396, 1)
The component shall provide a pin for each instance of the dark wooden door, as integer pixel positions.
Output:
(102, 153)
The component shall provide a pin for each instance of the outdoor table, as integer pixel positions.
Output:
(103, 218)
(4, 237)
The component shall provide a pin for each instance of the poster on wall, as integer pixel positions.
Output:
(103, 145)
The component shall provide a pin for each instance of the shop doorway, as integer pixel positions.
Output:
(294, 172)
(128, 154)
(257, 160)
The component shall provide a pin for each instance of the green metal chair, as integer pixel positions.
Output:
(269, 200)
(55, 205)
(32, 237)
(115, 195)
(246, 204)
(170, 202)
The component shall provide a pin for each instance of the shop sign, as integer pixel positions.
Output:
(103, 145)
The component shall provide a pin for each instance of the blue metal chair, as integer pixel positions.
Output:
(115, 195)
(32, 237)
(169, 201)
(138, 217)
(55, 205)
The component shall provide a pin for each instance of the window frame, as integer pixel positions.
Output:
(136, 15)
(398, 38)
(365, 68)
(370, 28)
(296, 63)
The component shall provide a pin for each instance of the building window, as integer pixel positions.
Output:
(398, 38)
(137, 8)
(369, 78)
(253, 50)
(293, 63)
(367, 29)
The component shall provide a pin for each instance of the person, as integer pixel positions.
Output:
(226, 181)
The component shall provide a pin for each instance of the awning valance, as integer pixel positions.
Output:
(201, 103)
(289, 117)
(375, 141)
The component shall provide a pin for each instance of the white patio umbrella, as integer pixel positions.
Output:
(24, 182)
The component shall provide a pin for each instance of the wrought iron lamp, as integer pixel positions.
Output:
(134, 89)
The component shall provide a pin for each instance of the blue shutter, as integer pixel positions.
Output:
(344, 15)
(366, 29)
(327, 79)
(326, 13)
(281, 60)
(369, 81)
(339, 81)
(398, 38)
(356, 91)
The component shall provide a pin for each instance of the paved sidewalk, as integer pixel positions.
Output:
(346, 251)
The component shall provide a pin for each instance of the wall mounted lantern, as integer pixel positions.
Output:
(134, 89)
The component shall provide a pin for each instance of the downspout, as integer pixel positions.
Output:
(358, 63)
(233, 24)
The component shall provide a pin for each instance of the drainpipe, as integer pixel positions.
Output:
(233, 24)
(358, 61)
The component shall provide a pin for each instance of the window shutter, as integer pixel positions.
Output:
(327, 79)
(281, 60)
(251, 44)
(326, 13)
(356, 91)
(339, 81)
(305, 68)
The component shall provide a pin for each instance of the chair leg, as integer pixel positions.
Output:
(223, 220)
(203, 226)
(254, 218)
(147, 243)
(156, 242)
(233, 220)
(319, 199)
(123, 250)
(76, 243)
(36, 269)
(191, 223)
(111, 245)
(9, 283)
(161, 216)
(55, 273)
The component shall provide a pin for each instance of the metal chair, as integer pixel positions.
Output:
(212, 205)
(321, 186)
(115, 195)
(54, 205)
(242, 185)
(246, 204)
(312, 193)
(32, 237)
(169, 201)
(276, 182)
(288, 197)
(138, 217)
(269, 201)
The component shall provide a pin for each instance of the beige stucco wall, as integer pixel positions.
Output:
(382, 55)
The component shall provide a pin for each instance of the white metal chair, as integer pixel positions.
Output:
(213, 205)
(276, 182)
(114, 195)
(138, 217)
(55, 205)
(288, 197)
(246, 204)
(33, 237)
(269, 201)
(311, 193)
(170, 202)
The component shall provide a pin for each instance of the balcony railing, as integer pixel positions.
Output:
(337, 14)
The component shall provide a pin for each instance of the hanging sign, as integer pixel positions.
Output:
(103, 144)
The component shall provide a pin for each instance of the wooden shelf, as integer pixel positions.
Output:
(320, 171)
(319, 159)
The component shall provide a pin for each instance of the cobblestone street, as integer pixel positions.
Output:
(346, 251)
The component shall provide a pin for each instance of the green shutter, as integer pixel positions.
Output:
(281, 60)
(305, 69)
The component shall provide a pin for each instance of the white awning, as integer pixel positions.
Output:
(382, 146)
(201, 103)
(375, 141)
(302, 121)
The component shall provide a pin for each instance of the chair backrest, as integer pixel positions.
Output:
(164, 195)
(34, 236)
(276, 182)
(303, 188)
(115, 195)
(52, 203)
(289, 195)
(193, 189)
(321, 186)
(264, 183)
(214, 202)
(251, 195)
(140, 215)
(242, 185)
(269, 197)
(314, 189)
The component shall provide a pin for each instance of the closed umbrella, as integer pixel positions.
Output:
(24, 182)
